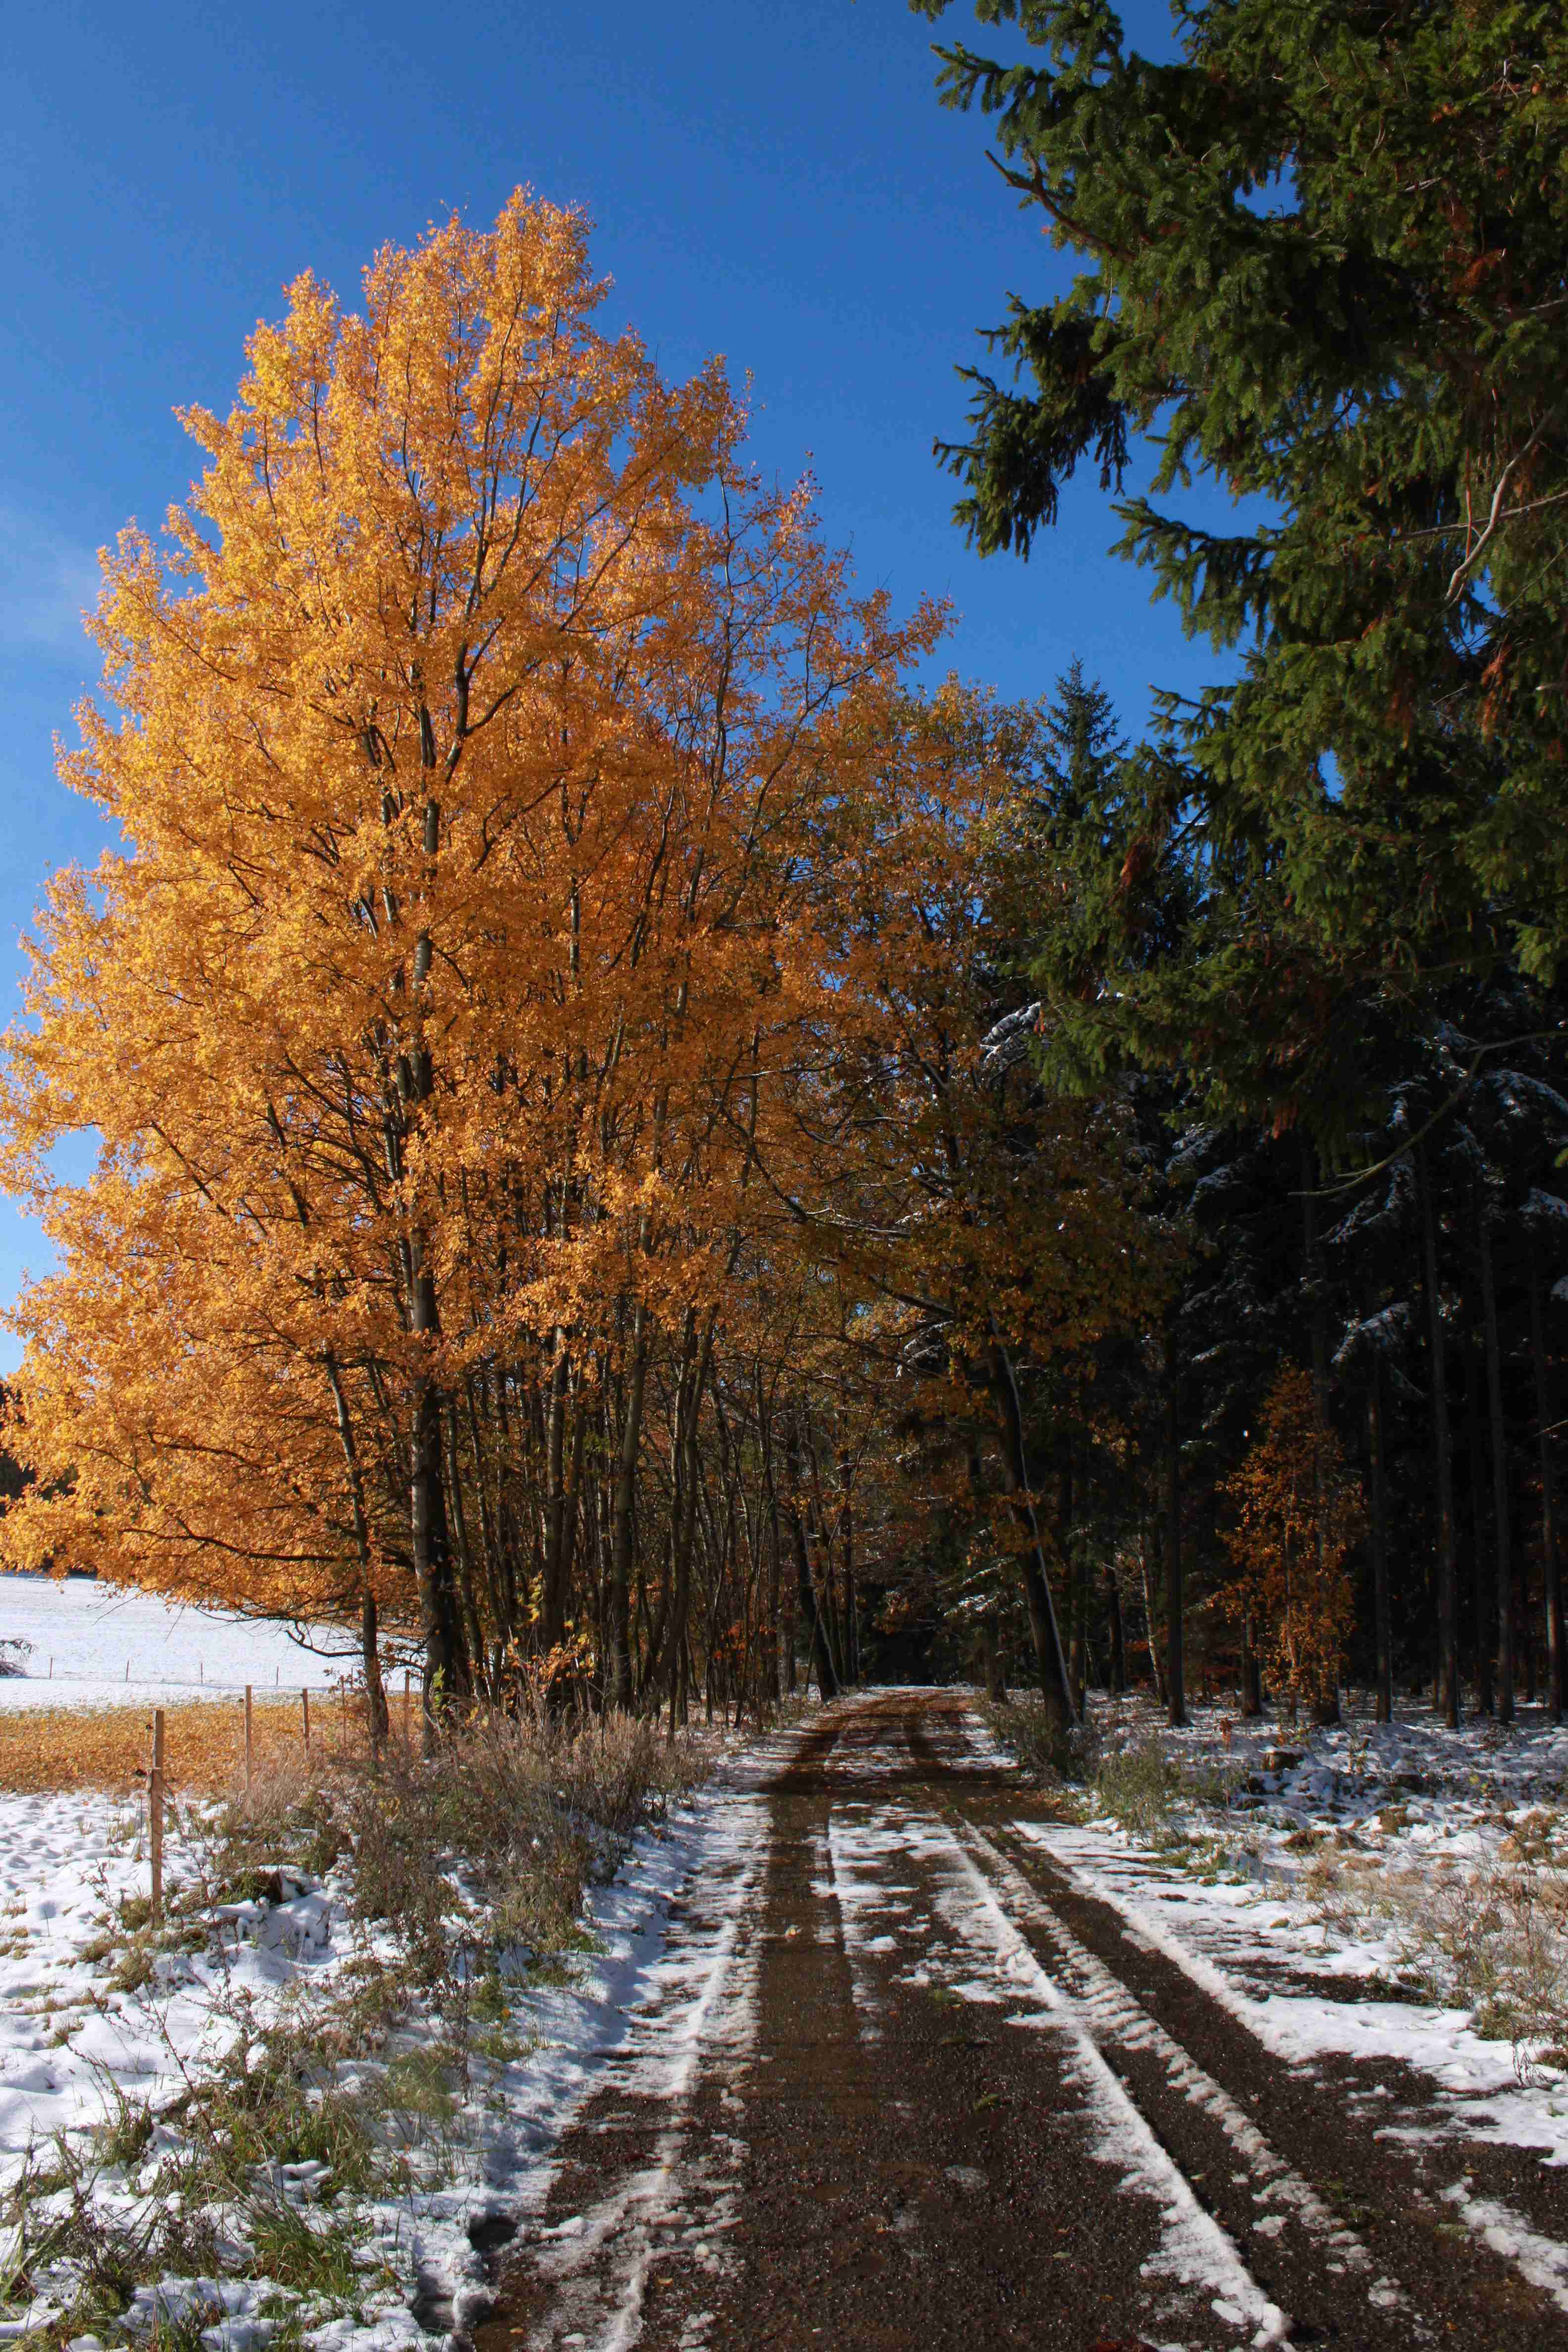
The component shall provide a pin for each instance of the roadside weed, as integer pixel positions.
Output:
(1138, 1787)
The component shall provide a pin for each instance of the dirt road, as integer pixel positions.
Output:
(908, 2087)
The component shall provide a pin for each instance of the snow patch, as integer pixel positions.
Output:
(1540, 2259)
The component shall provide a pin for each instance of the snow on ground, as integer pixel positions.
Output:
(80, 2045)
(1193, 2248)
(1446, 1784)
(106, 1642)
(1323, 1901)
(699, 2022)
(1419, 1877)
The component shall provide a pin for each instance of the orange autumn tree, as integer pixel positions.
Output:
(473, 732)
(1298, 1513)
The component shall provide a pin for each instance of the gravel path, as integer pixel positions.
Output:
(911, 2089)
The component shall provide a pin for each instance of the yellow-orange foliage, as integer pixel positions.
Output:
(472, 721)
(547, 928)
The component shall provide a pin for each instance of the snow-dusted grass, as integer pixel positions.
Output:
(1490, 1935)
(282, 2114)
(1446, 1852)
(1426, 1869)
(106, 1642)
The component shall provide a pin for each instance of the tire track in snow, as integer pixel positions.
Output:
(1540, 2261)
(625, 2227)
(855, 2210)
(1194, 2250)
(1115, 2015)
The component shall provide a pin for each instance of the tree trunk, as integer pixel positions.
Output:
(464, 1580)
(488, 1548)
(446, 1675)
(782, 1653)
(375, 1689)
(446, 1654)
(805, 1583)
(1482, 1573)
(375, 1695)
(789, 1639)
(1118, 1675)
(1144, 1543)
(688, 1414)
(1550, 1576)
(553, 1593)
(1326, 1706)
(1055, 1688)
(1078, 1595)
(1252, 1680)
(822, 1552)
(1175, 1671)
(846, 1537)
(574, 1513)
(779, 1672)
(686, 1526)
(618, 1665)
(1527, 1632)
(1443, 1466)
(820, 1656)
(1499, 1481)
(1381, 1633)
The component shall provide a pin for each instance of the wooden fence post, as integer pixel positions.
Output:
(248, 1747)
(305, 1704)
(407, 1702)
(155, 1815)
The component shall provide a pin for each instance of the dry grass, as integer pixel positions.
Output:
(47, 1749)
(1487, 1935)
(1051, 1756)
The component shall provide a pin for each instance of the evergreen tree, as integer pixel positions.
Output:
(1084, 748)
(1323, 265)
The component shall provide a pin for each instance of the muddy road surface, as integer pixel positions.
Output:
(908, 2086)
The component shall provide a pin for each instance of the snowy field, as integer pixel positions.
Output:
(105, 1643)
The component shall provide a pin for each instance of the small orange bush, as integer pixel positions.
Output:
(1297, 1515)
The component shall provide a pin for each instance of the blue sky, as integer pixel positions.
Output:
(775, 182)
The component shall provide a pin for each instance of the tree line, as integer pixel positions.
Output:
(641, 1146)
(1314, 921)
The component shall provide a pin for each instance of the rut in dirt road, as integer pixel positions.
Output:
(905, 2084)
